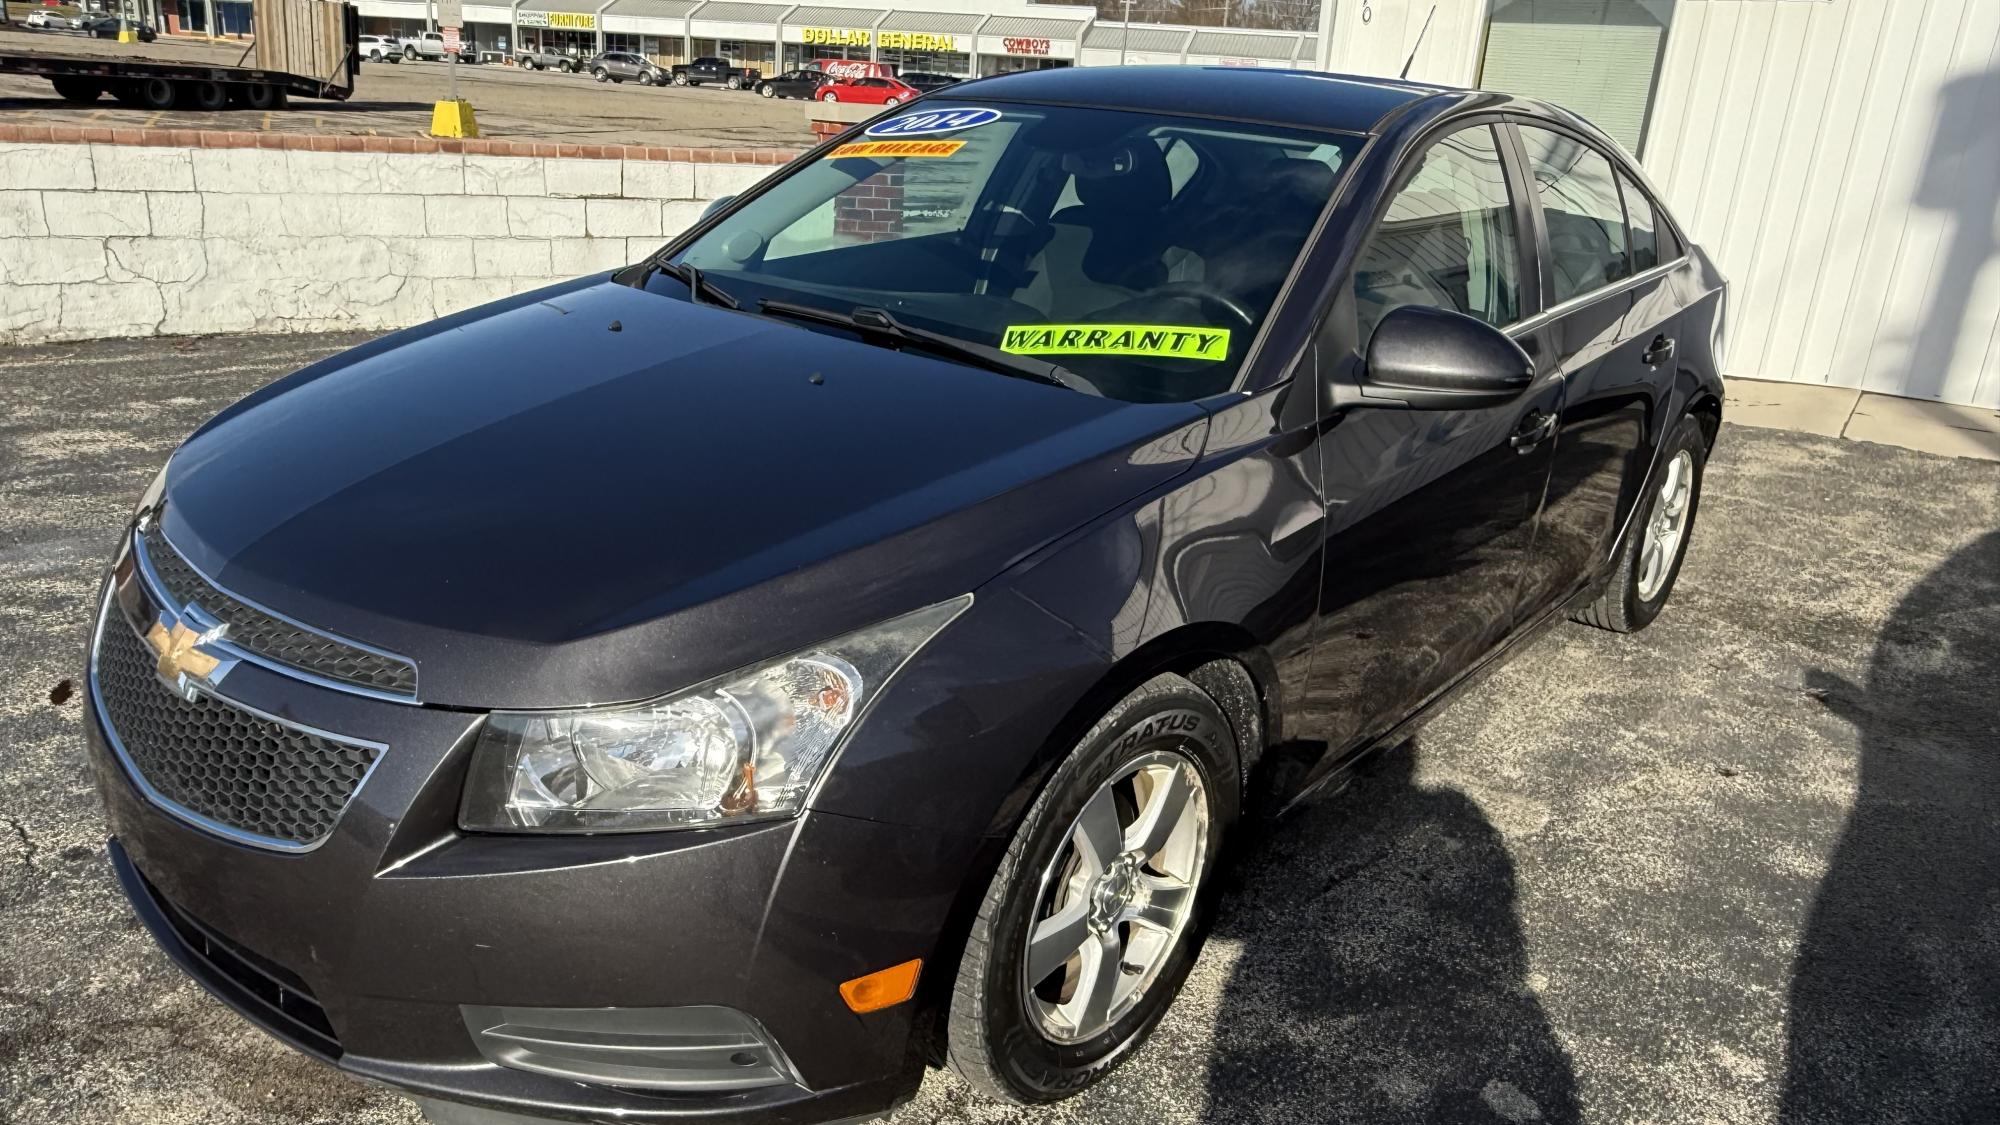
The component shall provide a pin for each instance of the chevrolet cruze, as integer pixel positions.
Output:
(843, 641)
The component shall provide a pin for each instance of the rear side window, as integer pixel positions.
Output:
(1448, 239)
(1639, 219)
(1580, 207)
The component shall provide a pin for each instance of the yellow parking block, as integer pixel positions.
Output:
(453, 119)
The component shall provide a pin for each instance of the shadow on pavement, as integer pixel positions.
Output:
(1382, 976)
(1895, 996)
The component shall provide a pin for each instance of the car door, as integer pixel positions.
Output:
(1609, 335)
(1429, 512)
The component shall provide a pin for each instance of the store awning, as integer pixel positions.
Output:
(1237, 44)
(812, 15)
(724, 11)
(652, 9)
(561, 5)
(934, 23)
(1032, 27)
(1110, 36)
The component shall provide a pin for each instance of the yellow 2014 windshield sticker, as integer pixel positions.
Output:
(1170, 340)
(897, 149)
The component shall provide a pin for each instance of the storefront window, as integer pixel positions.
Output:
(957, 64)
(798, 55)
(990, 65)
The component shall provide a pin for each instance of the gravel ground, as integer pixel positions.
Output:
(395, 100)
(1738, 868)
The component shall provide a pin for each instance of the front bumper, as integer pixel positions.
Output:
(366, 950)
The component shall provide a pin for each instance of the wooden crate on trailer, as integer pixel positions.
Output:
(306, 37)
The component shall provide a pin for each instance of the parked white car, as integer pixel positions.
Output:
(53, 21)
(379, 48)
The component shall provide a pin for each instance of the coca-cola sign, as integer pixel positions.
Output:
(1025, 46)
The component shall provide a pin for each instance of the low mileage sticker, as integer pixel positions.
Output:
(1170, 340)
(896, 149)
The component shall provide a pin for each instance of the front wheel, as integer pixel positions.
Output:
(410, 53)
(829, 96)
(764, 90)
(601, 74)
(1094, 916)
(893, 100)
(1656, 542)
(734, 83)
(680, 79)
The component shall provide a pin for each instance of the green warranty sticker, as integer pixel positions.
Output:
(1170, 340)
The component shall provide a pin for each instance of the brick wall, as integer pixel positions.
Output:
(872, 209)
(104, 239)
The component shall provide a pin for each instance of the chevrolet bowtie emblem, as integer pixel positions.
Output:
(182, 663)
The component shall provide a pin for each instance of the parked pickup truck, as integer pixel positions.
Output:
(430, 45)
(711, 69)
(533, 58)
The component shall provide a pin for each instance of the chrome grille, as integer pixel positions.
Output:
(261, 634)
(223, 764)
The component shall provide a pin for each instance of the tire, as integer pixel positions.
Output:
(206, 96)
(80, 90)
(258, 96)
(829, 96)
(893, 100)
(1634, 594)
(410, 53)
(735, 82)
(999, 1036)
(601, 74)
(764, 90)
(680, 79)
(157, 93)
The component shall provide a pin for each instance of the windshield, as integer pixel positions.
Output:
(1139, 251)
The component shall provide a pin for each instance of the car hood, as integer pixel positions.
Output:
(594, 493)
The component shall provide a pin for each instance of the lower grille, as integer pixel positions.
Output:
(223, 764)
(262, 989)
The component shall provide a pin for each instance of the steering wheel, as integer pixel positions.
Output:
(1206, 295)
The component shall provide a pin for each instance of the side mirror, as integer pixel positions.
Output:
(1434, 359)
(717, 205)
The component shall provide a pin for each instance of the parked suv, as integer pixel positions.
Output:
(379, 48)
(850, 636)
(622, 66)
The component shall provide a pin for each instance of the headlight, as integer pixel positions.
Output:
(746, 746)
(150, 499)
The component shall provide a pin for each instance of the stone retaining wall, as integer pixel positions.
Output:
(130, 239)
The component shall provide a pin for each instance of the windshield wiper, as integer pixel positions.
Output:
(881, 325)
(700, 288)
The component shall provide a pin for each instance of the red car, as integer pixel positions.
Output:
(867, 91)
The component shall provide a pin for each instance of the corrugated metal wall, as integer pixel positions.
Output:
(1841, 160)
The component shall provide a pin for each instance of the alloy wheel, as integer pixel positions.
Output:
(1666, 526)
(1116, 898)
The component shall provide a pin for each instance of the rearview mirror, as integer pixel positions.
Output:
(1434, 359)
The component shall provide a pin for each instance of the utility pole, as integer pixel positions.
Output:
(1323, 57)
(1127, 40)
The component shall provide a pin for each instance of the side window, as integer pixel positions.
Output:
(1448, 239)
(1645, 229)
(1580, 207)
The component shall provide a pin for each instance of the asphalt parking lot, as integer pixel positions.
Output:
(395, 100)
(1738, 868)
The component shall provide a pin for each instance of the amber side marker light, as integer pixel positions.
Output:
(883, 988)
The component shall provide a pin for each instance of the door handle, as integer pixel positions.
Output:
(1537, 427)
(1659, 351)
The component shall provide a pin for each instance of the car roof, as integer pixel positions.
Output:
(1306, 98)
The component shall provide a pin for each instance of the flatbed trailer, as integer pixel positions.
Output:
(180, 84)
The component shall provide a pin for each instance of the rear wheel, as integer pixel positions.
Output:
(734, 83)
(829, 96)
(77, 89)
(601, 74)
(764, 90)
(893, 100)
(258, 96)
(1094, 916)
(680, 79)
(410, 53)
(1649, 561)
